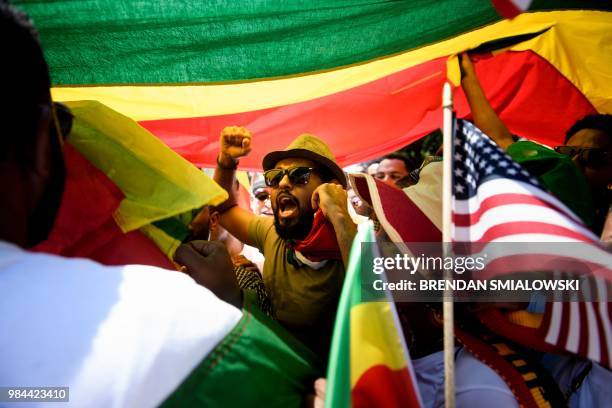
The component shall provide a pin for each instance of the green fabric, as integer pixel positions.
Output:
(338, 392)
(177, 226)
(257, 364)
(152, 42)
(304, 300)
(558, 174)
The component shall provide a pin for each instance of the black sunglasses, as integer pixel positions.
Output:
(262, 196)
(592, 157)
(297, 175)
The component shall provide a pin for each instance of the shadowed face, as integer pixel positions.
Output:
(35, 179)
(597, 173)
(261, 203)
(291, 200)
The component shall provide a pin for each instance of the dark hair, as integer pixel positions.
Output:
(25, 79)
(325, 174)
(408, 162)
(602, 122)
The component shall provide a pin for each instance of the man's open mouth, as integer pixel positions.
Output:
(287, 206)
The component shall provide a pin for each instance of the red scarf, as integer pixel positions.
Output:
(321, 242)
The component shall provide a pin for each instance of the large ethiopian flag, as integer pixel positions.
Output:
(368, 72)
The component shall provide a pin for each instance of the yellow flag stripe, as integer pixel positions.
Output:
(374, 339)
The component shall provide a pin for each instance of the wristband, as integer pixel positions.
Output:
(225, 207)
(232, 167)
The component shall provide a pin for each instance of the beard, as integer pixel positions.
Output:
(42, 218)
(297, 230)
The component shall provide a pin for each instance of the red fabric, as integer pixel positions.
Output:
(131, 248)
(380, 386)
(85, 226)
(321, 243)
(399, 211)
(506, 8)
(531, 96)
(375, 117)
(88, 202)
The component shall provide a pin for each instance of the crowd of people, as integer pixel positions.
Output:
(249, 320)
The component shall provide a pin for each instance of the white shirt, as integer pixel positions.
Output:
(117, 336)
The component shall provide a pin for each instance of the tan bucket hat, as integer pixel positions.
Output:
(309, 147)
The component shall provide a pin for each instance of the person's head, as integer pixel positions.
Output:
(371, 170)
(206, 226)
(392, 168)
(31, 163)
(260, 201)
(293, 175)
(589, 142)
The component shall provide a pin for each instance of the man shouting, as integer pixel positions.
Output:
(307, 242)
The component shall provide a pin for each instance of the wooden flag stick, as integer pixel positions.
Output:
(449, 332)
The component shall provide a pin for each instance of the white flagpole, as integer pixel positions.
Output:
(449, 330)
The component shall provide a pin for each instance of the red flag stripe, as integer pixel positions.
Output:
(586, 330)
(383, 387)
(526, 227)
(498, 186)
(525, 89)
(539, 262)
(465, 220)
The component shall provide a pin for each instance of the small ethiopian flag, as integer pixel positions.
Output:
(369, 362)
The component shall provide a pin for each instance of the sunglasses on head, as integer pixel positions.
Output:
(297, 175)
(592, 157)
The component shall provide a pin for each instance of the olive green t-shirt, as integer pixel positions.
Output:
(304, 300)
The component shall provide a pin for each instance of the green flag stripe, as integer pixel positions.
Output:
(257, 362)
(338, 393)
(175, 42)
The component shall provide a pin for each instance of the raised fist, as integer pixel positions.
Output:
(234, 142)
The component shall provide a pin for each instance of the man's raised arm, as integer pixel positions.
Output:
(234, 142)
(485, 118)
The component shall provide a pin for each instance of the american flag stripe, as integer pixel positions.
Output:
(574, 331)
(603, 307)
(529, 262)
(508, 230)
(496, 200)
(502, 221)
(464, 220)
(582, 325)
(524, 237)
(553, 322)
(503, 187)
(593, 351)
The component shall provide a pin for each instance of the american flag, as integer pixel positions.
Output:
(496, 200)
